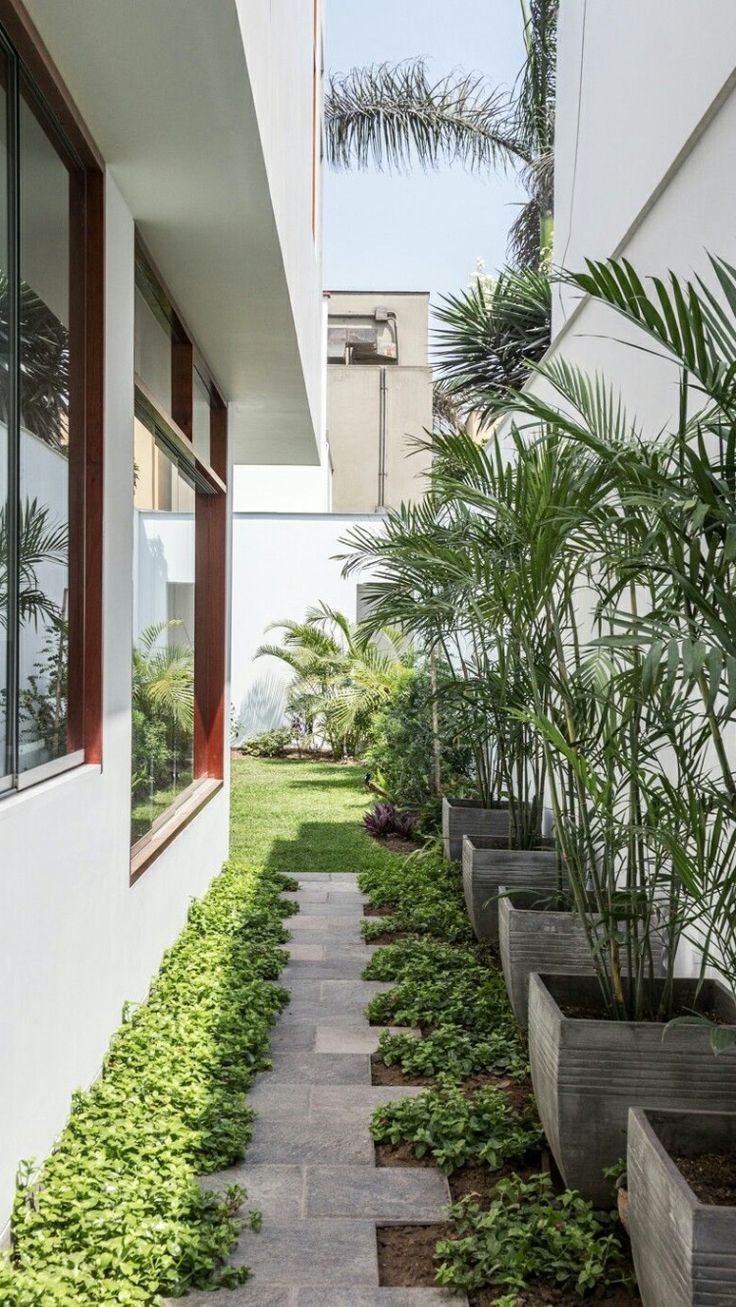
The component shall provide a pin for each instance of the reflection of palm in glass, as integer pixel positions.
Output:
(163, 720)
(40, 540)
(44, 388)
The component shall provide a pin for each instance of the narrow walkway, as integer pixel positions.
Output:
(310, 1166)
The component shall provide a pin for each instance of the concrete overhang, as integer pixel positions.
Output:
(163, 87)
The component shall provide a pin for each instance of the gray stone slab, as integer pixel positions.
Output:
(307, 878)
(282, 1141)
(383, 1194)
(311, 1253)
(346, 893)
(337, 907)
(320, 1069)
(355, 1296)
(337, 1101)
(249, 1294)
(352, 993)
(302, 986)
(306, 925)
(306, 953)
(303, 1011)
(276, 1191)
(271, 1099)
(353, 1038)
(297, 1038)
(355, 949)
(301, 896)
(347, 967)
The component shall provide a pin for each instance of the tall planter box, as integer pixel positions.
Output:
(588, 1072)
(534, 938)
(684, 1250)
(486, 867)
(470, 817)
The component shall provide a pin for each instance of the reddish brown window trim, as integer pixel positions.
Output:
(87, 305)
(210, 576)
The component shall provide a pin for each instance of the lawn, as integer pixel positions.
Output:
(299, 817)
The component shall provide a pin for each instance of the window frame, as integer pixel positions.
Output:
(32, 72)
(175, 432)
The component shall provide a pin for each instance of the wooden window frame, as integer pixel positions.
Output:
(87, 309)
(210, 568)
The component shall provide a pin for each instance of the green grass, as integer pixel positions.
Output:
(302, 817)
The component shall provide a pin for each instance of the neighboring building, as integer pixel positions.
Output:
(379, 397)
(161, 290)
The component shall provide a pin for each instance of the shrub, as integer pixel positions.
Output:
(270, 744)
(116, 1214)
(454, 1128)
(386, 819)
(401, 750)
(529, 1234)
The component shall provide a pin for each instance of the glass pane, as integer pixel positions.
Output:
(45, 489)
(153, 350)
(163, 634)
(6, 766)
(201, 418)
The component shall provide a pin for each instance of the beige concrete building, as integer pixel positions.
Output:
(379, 397)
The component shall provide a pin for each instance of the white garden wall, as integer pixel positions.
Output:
(283, 564)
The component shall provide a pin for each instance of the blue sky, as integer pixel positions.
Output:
(422, 231)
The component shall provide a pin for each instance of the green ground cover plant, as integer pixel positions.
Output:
(115, 1213)
(466, 1000)
(455, 1128)
(425, 895)
(529, 1234)
(456, 1054)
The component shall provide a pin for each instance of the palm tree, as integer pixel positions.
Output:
(394, 115)
(488, 338)
(163, 678)
(342, 675)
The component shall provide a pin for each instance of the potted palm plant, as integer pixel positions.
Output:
(656, 785)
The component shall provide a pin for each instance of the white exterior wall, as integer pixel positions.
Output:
(276, 36)
(646, 120)
(282, 565)
(76, 940)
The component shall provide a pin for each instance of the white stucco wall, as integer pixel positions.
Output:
(279, 41)
(75, 940)
(283, 564)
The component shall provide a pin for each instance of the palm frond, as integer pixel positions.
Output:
(392, 115)
(485, 345)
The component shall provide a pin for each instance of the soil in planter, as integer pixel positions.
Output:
(385, 911)
(597, 1012)
(519, 1091)
(387, 937)
(391, 1076)
(711, 1176)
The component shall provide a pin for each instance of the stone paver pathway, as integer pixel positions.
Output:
(310, 1166)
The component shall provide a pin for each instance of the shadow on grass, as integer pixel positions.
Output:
(325, 846)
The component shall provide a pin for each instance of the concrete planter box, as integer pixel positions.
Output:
(486, 868)
(469, 817)
(684, 1250)
(534, 938)
(587, 1073)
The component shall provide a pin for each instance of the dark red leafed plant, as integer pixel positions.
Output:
(386, 819)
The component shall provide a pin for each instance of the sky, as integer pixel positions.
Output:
(422, 231)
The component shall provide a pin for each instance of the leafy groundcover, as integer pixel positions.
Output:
(519, 1239)
(115, 1215)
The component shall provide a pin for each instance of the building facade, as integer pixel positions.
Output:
(160, 286)
(379, 398)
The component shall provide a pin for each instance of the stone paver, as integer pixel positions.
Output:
(388, 1194)
(310, 1166)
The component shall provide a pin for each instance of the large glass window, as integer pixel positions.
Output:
(179, 561)
(43, 456)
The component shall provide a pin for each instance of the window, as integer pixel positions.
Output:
(179, 574)
(50, 433)
(362, 338)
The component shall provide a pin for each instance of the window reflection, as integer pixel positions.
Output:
(44, 489)
(163, 643)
